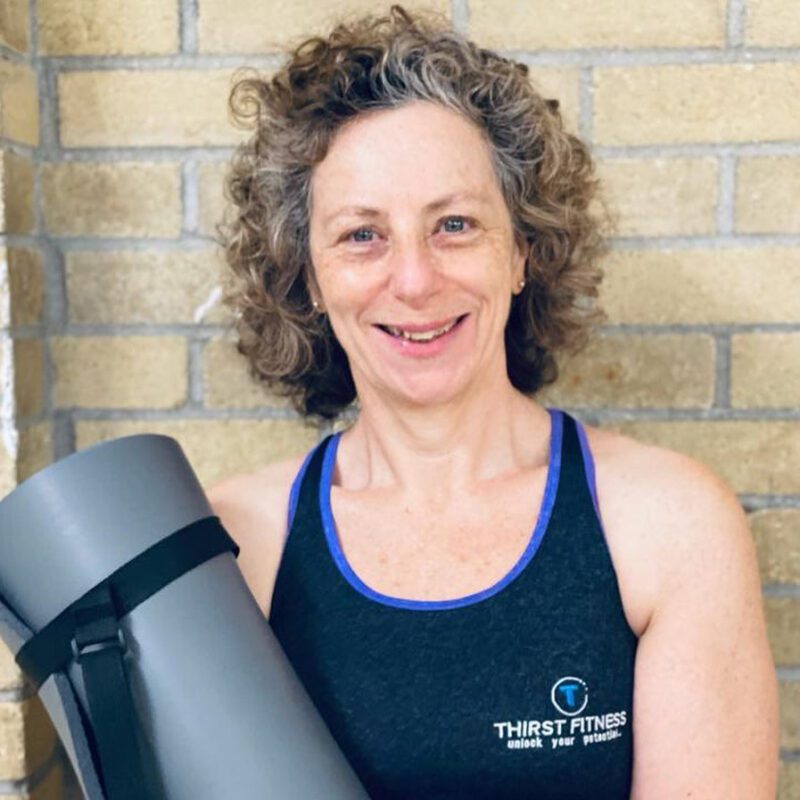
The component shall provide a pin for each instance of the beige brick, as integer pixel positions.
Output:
(789, 780)
(679, 103)
(28, 376)
(763, 186)
(776, 532)
(133, 287)
(16, 178)
(19, 103)
(772, 23)
(14, 31)
(637, 371)
(765, 370)
(571, 24)
(211, 199)
(269, 25)
(562, 84)
(227, 382)
(27, 738)
(697, 286)
(662, 196)
(35, 449)
(5, 292)
(106, 27)
(8, 458)
(26, 284)
(783, 622)
(147, 108)
(119, 372)
(790, 714)
(752, 456)
(117, 199)
(11, 677)
(216, 448)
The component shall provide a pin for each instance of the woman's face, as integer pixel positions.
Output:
(409, 233)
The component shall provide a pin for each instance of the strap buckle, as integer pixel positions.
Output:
(117, 641)
(97, 626)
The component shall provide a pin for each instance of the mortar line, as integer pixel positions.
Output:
(220, 153)
(605, 416)
(187, 20)
(580, 57)
(194, 368)
(781, 590)
(586, 105)
(735, 24)
(726, 194)
(609, 332)
(189, 198)
(460, 15)
(722, 371)
(621, 243)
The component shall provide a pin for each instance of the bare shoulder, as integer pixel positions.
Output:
(660, 508)
(253, 507)
(686, 556)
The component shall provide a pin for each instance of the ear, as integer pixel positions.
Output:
(312, 287)
(520, 258)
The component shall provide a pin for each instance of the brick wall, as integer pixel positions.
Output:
(114, 136)
(30, 756)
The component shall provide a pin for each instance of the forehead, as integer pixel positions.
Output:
(414, 151)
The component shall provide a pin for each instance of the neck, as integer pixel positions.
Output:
(433, 454)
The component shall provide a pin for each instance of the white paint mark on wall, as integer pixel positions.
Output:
(8, 426)
(208, 304)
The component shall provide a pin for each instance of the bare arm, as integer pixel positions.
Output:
(705, 692)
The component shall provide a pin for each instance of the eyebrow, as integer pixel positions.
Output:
(434, 205)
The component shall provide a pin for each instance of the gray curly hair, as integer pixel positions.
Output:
(545, 173)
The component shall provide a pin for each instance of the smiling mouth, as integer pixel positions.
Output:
(422, 336)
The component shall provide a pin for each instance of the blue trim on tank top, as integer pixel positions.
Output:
(545, 511)
(294, 492)
(588, 465)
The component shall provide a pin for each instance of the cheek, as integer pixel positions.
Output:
(349, 290)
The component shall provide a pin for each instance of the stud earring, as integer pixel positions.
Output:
(522, 283)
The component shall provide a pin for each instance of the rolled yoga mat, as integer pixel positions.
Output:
(123, 603)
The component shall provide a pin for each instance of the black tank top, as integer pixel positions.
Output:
(523, 690)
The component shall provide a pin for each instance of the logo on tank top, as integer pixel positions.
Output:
(569, 695)
(574, 729)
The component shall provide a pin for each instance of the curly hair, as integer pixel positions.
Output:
(546, 175)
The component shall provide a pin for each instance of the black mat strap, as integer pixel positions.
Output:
(100, 648)
(88, 630)
(50, 649)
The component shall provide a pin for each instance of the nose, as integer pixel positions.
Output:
(414, 270)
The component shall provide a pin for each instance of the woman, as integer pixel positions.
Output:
(484, 598)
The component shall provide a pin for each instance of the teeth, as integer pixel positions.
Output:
(425, 336)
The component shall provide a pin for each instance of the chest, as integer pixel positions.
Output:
(403, 552)
(435, 555)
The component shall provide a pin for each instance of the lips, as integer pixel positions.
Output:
(422, 327)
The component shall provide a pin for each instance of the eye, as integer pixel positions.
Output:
(452, 224)
(458, 220)
(355, 233)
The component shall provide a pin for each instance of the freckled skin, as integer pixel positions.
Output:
(407, 264)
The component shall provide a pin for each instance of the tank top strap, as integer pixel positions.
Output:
(576, 487)
(304, 494)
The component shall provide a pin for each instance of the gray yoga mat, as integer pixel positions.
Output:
(221, 712)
